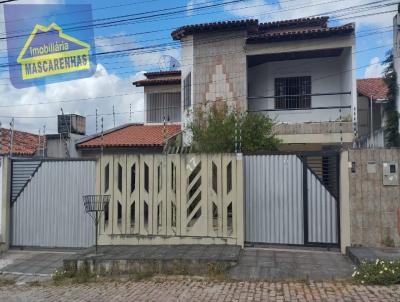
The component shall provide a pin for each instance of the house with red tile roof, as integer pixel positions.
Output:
(371, 99)
(162, 96)
(23, 143)
(299, 72)
(130, 138)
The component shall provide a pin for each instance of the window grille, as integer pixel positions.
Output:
(293, 92)
(162, 106)
(187, 89)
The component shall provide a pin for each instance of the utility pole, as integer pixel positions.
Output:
(96, 120)
(113, 115)
(130, 112)
(44, 140)
(11, 138)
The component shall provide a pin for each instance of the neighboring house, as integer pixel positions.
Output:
(372, 95)
(162, 96)
(24, 144)
(129, 138)
(300, 72)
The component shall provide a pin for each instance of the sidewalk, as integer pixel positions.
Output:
(187, 290)
(274, 264)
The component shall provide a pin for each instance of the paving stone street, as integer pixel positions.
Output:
(195, 290)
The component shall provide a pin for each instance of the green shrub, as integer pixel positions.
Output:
(380, 272)
(81, 275)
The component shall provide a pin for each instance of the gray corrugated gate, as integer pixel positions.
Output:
(46, 203)
(288, 203)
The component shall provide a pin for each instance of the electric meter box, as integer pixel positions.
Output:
(390, 173)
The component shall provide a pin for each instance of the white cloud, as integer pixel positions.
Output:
(151, 59)
(142, 59)
(375, 69)
(101, 84)
(282, 10)
(116, 41)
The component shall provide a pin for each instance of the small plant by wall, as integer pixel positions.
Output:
(380, 272)
(388, 241)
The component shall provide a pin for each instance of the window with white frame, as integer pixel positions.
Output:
(187, 91)
(293, 92)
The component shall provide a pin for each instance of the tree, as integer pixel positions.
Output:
(218, 128)
(392, 116)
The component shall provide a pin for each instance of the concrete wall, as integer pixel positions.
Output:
(55, 146)
(1, 195)
(374, 207)
(326, 77)
(221, 68)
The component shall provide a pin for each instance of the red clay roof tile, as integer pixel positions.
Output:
(133, 135)
(372, 87)
(23, 143)
(302, 33)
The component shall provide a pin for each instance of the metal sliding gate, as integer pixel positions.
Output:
(292, 198)
(46, 202)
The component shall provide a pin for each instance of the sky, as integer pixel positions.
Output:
(110, 89)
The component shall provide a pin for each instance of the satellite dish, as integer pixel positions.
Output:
(168, 63)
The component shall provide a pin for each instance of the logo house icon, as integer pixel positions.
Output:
(48, 51)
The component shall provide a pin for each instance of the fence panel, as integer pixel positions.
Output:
(189, 198)
(49, 211)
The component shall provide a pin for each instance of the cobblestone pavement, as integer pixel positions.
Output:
(187, 290)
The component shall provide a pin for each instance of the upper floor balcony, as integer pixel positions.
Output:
(310, 94)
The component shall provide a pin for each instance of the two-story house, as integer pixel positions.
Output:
(300, 72)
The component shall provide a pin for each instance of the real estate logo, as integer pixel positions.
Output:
(45, 53)
(48, 52)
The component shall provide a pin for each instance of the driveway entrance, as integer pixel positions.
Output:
(292, 199)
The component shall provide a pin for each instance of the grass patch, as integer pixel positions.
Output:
(6, 281)
(34, 283)
(139, 276)
(380, 272)
(74, 275)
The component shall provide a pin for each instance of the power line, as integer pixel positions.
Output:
(370, 33)
(154, 48)
(353, 7)
(130, 93)
(83, 10)
(168, 107)
(107, 24)
(151, 14)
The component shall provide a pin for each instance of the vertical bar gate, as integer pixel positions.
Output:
(292, 199)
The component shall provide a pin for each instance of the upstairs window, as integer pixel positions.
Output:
(293, 93)
(163, 106)
(187, 91)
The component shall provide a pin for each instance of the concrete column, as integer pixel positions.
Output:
(240, 220)
(344, 202)
(5, 203)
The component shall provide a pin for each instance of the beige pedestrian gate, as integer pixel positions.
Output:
(292, 199)
(171, 199)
